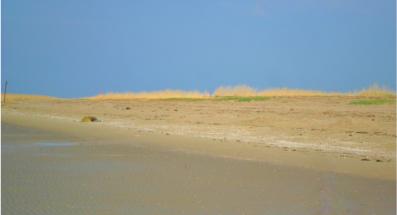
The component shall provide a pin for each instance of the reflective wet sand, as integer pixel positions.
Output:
(45, 173)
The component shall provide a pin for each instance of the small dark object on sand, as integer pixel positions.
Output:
(128, 108)
(378, 160)
(365, 159)
(89, 119)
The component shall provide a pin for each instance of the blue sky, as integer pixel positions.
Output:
(74, 48)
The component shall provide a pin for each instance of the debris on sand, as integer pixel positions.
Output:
(89, 119)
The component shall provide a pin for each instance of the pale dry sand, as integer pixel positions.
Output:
(323, 133)
(48, 172)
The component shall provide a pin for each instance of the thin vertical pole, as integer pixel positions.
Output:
(5, 93)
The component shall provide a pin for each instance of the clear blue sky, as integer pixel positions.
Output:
(73, 48)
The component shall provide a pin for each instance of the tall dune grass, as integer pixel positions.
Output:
(245, 91)
(295, 92)
(165, 94)
(376, 91)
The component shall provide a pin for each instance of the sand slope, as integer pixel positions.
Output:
(305, 128)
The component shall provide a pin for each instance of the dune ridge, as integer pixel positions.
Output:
(375, 91)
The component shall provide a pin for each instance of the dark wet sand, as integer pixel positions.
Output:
(46, 173)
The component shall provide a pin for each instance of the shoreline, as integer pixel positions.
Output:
(111, 133)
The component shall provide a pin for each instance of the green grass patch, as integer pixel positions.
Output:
(377, 101)
(242, 98)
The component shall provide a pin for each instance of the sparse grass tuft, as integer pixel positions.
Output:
(374, 101)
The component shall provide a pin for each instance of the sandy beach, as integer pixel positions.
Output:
(324, 133)
(51, 173)
(309, 155)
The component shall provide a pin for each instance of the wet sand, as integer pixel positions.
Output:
(55, 173)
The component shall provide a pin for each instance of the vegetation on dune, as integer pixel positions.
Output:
(241, 90)
(285, 92)
(241, 98)
(375, 95)
(166, 94)
(376, 91)
(373, 101)
(244, 93)
(373, 91)
(247, 91)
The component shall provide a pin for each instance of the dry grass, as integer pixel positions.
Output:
(376, 91)
(11, 98)
(241, 90)
(295, 92)
(244, 91)
(166, 94)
